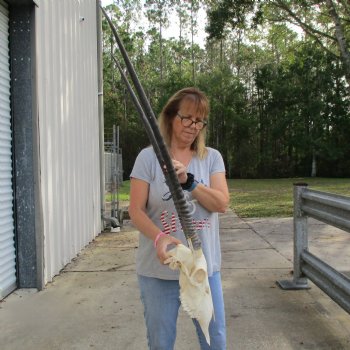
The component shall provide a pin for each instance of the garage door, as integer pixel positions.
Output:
(7, 245)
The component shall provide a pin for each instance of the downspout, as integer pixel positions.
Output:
(111, 220)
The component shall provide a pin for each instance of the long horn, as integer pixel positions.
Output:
(141, 113)
(150, 122)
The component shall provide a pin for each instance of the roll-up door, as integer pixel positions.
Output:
(7, 245)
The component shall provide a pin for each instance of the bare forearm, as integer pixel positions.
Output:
(143, 223)
(211, 199)
(138, 198)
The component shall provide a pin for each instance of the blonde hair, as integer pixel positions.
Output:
(172, 107)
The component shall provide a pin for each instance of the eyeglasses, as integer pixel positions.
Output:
(187, 121)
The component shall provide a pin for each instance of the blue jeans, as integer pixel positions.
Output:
(161, 303)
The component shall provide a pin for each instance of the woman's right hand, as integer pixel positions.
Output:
(162, 246)
(181, 171)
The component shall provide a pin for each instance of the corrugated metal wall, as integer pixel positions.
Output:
(7, 244)
(69, 133)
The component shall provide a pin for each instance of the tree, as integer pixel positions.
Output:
(325, 21)
(183, 17)
(157, 13)
(279, 101)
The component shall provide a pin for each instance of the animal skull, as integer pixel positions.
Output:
(195, 294)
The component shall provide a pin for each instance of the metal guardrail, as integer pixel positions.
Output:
(331, 209)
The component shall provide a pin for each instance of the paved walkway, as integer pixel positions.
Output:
(94, 303)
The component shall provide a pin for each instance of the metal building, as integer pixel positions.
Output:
(50, 139)
(7, 248)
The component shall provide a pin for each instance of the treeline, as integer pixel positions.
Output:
(279, 95)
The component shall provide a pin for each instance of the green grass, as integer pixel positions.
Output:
(274, 197)
(267, 197)
(123, 192)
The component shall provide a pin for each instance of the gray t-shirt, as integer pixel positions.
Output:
(161, 210)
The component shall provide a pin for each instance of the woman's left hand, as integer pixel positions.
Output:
(181, 171)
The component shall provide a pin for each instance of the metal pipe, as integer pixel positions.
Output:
(332, 282)
(326, 272)
(328, 199)
(114, 171)
(300, 237)
(100, 111)
(342, 301)
(334, 210)
(111, 220)
(328, 218)
(300, 233)
(117, 174)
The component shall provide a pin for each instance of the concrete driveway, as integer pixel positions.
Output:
(94, 302)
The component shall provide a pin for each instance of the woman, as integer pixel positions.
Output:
(182, 123)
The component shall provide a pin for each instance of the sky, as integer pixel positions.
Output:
(172, 31)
